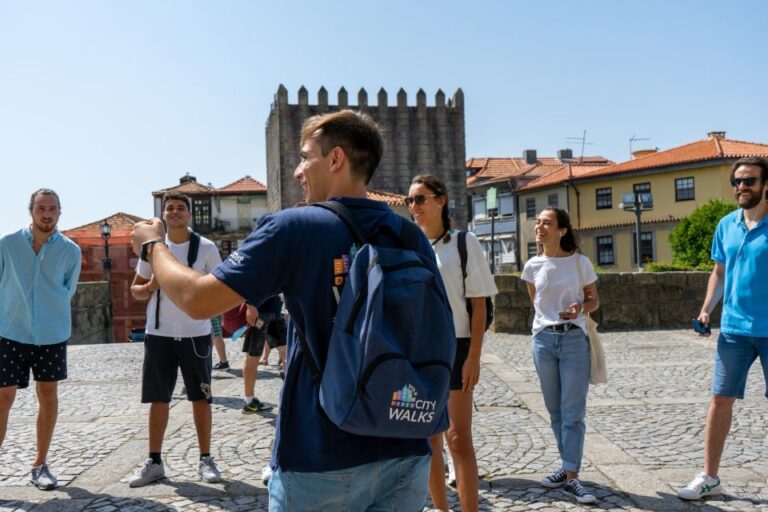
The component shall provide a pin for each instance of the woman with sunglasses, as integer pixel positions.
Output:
(561, 284)
(428, 204)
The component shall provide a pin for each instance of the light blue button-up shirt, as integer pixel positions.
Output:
(745, 256)
(36, 289)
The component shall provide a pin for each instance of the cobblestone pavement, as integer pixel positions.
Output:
(644, 439)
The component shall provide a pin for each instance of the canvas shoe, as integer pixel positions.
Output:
(149, 472)
(221, 365)
(555, 479)
(701, 486)
(256, 405)
(574, 488)
(42, 478)
(207, 470)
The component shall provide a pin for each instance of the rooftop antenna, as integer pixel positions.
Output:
(632, 139)
(583, 140)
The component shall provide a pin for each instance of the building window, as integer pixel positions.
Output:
(552, 201)
(479, 206)
(532, 249)
(684, 189)
(201, 213)
(530, 208)
(605, 252)
(641, 188)
(506, 205)
(646, 247)
(604, 198)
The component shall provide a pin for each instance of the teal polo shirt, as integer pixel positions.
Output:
(36, 289)
(744, 253)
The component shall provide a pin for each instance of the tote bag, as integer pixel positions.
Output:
(598, 370)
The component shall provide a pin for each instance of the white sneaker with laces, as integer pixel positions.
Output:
(43, 478)
(207, 470)
(701, 486)
(149, 472)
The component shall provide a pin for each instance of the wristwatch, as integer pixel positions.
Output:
(145, 247)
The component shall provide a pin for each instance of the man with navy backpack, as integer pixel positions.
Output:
(176, 341)
(307, 253)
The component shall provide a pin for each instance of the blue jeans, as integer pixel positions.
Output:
(735, 355)
(562, 362)
(390, 484)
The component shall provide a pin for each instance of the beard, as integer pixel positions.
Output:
(748, 202)
(44, 227)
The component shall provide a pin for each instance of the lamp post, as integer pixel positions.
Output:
(107, 266)
(637, 202)
(490, 205)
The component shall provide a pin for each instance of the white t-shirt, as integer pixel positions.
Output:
(479, 278)
(174, 323)
(557, 286)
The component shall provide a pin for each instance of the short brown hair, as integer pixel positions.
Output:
(43, 192)
(177, 197)
(762, 163)
(352, 131)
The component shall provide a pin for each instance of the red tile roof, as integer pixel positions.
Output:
(390, 198)
(245, 185)
(121, 223)
(490, 170)
(191, 188)
(713, 148)
(561, 174)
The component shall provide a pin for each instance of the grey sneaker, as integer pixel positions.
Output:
(207, 470)
(256, 405)
(42, 478)
(554, 480)
(574, 488)
(149, 472)
(701, 486)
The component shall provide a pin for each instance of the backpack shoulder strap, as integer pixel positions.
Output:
(194, 248)
(461, 243)
(343, 213)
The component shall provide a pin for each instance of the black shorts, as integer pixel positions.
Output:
(164, 356)
(47, 362)
(462, 351)
(273, 332)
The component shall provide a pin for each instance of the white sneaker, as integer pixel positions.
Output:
(43, 478)
(207, 470)
(266, 474)
(149, 472)
(701, 486)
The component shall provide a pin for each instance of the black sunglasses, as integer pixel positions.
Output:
(750, 182)
(418, 199)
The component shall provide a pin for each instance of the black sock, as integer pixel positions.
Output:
(204, 455)
(156, 459)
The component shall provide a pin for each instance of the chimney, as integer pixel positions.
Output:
(643, 152)
(564, 154)
(529, 155)
(187, 178)
(715, 135)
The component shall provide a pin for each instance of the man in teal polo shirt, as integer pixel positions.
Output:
(39, 268)
(740, 251)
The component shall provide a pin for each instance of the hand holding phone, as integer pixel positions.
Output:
(701, 328)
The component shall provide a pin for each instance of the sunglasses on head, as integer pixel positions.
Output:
(750, 182)
(418, 199)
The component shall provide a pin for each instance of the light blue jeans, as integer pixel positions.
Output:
(562, 362)
(391, 484)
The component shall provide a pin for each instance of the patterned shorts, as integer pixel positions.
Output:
(216, 326)
(47, 362)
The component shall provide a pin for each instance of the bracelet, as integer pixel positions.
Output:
(146, 245)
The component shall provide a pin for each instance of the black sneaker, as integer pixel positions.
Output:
(221, 365)
(555, 479)
(574, 488)
(255, 406)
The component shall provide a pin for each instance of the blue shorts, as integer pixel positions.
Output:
(390, 484)
(733, 358)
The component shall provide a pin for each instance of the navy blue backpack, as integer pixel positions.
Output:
(390, 355)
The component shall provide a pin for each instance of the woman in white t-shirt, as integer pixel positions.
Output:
(561, 284)
(428, 203)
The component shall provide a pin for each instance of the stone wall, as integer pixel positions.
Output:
(418, 139)
(90, 315)
(627, 301)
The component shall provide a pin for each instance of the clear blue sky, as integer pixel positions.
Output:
(105, 101)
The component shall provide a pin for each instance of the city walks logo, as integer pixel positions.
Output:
(406, 406)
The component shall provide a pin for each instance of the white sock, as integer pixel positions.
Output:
(248, 399)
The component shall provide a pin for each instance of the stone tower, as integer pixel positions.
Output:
(417, 140)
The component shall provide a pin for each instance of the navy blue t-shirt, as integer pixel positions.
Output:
(305, 253)
(272, 305)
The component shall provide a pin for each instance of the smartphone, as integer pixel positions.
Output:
(701, 328)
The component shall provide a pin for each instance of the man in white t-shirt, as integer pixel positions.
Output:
(175, 340)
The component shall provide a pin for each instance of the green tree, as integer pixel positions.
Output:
(691, 240)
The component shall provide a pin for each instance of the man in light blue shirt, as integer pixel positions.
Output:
(740, 252)
(39, 268)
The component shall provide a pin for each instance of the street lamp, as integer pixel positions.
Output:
(106, 229)
(637, 202)
(490, 206)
